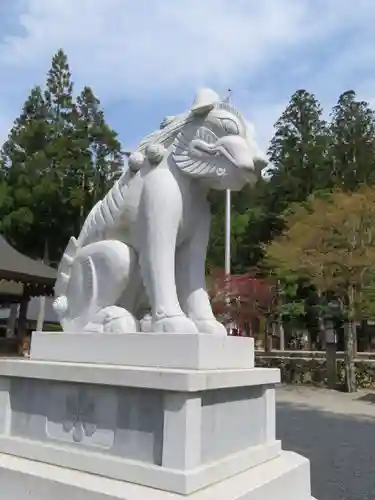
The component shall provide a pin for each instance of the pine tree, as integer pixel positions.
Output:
(62, 149)
(352, 142)
(101, 155)
(104, 147)
(60, 158)
(36, 165)
(25, 171)
(59, 91)
(298, 151)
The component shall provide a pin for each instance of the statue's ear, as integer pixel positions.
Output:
(205, 100)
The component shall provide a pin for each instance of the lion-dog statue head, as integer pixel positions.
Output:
(212, 142)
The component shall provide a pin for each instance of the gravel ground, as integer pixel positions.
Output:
(336, 431)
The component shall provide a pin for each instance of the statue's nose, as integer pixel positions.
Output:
(237, 150)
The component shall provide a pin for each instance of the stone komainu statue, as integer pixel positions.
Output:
(139, 261)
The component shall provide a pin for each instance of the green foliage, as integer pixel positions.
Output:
(352, 146)
(298, 150)
(311, 370)
(311, 159)
(290, 303)
(309, 156)
(99, 159)
(30, 181)
(298, 154)
(330, 242)
(59, 159)
(241, 247)
(366, 299)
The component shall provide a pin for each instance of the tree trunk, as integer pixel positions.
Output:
(310, 345)
(11, 322)
(42, 299)
(331, 354)
(322, 332)
(349, 357)
(321, 325)
(41, 314)
(266, 336)
(82, 207)
(280, 326)
(350, 338)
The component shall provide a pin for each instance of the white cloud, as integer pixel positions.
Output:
(153, 49)
(155, 46)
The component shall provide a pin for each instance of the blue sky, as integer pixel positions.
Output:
(145, 58)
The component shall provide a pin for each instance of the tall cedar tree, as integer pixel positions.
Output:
(298, 151)
(34, 159)
(25, 214)
(352, 142)
(58, 152)
(101, 157)
(61, 148)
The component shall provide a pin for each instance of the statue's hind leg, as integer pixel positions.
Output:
(100, 274)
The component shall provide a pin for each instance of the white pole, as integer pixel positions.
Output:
(227, 217)
(227, 231)
(229, 326)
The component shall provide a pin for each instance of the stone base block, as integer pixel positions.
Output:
(136, 416)
(163, 350)
(286, 477)
(173, 430)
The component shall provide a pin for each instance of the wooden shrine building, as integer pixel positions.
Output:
(21, 278)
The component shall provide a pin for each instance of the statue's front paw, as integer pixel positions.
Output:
(125, 323)
(210, 326)
(175, 324)
(113, 319)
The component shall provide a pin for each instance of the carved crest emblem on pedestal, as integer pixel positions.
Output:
(79, 415)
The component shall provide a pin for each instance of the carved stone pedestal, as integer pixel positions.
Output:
(71, 428)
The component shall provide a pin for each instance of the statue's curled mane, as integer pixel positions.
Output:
(165, 135)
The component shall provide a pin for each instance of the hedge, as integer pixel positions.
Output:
(301, 370)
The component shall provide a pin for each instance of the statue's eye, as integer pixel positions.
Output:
(230, 126)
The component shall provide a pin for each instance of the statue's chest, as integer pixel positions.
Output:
(195, 209)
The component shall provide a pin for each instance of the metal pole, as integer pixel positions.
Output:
(227, 217)
(227, 231)
(229, 325)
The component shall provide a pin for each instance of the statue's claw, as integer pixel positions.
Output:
(146, 323)
(175, 324)
(210, 326)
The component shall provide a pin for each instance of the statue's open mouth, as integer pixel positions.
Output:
(234, 149)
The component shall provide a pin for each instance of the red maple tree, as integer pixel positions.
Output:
(241, 300)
